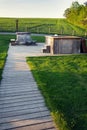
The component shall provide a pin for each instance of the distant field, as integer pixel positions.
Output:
(41, 25)
(63, 82)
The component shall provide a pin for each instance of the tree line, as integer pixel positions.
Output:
(77, 14)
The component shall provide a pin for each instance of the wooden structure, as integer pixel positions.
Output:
(63, 44)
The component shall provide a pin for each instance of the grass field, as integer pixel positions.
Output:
(63, 82)
(4, 44)
(41, 25)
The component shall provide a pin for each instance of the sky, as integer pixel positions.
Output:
(35, 8)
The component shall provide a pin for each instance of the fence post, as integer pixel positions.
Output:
(49, 30)
(37, 30)
(85, 34)
(26, 29)
(16, 25)
(73, 33)
(61, 31)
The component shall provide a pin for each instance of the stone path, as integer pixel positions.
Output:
(22, 106)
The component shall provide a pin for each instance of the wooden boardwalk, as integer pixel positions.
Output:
(22, 106)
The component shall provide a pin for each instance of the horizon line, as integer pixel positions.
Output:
(35, 17)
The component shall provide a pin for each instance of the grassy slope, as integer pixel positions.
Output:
(4, 43)
(63, 82)
(56, 25)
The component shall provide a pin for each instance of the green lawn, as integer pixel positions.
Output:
(38, 38)
(4, 44)
(63, 82)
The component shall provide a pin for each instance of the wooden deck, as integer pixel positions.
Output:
(22, 106)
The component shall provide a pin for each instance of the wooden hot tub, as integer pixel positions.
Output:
(63, 44)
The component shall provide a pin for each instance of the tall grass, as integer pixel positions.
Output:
(63, 82)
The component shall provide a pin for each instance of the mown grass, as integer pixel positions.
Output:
(41, 25)
(4, 45)
(63, 82)
(38, 38)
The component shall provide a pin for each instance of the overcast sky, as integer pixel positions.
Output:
(35, 8)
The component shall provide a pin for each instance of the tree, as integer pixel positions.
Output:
(75, 5)
(77, 14)
(85, 3)
(67, 12)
